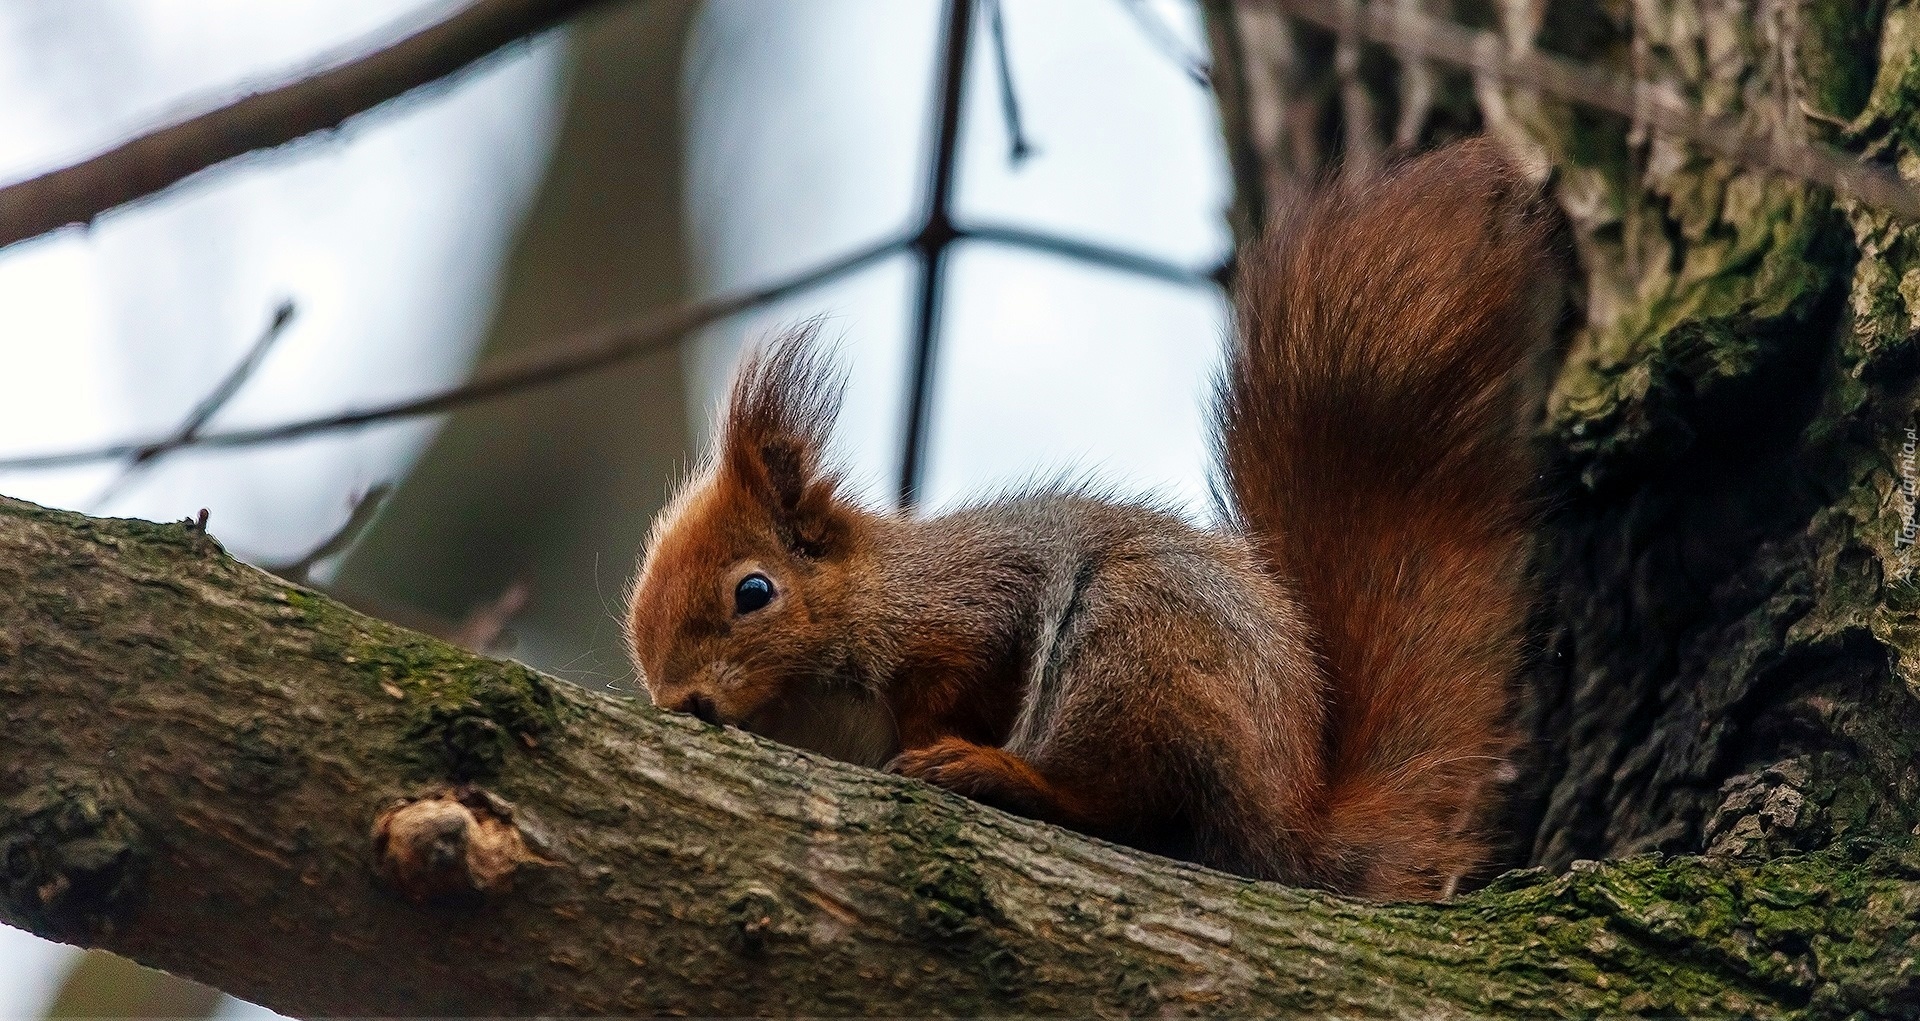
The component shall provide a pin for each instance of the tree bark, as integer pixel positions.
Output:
(1728, 618)
(223, 775)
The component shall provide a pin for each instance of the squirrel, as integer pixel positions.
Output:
(1315, 691)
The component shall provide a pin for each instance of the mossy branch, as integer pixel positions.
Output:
(223, 775)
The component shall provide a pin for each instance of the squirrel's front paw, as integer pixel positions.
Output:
(975, 771)
(949, 762)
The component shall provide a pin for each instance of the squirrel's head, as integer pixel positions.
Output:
(740, 611)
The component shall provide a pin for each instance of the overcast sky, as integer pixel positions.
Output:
(809, 122)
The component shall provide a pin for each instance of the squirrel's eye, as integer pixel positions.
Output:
(753, 592)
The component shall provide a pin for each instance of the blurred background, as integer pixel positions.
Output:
(655, 152)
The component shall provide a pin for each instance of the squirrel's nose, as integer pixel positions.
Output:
(702, 709)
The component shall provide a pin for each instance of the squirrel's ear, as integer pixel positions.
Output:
(785, 398)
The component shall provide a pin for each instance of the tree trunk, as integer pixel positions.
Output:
(1727, 623)
(220, 774)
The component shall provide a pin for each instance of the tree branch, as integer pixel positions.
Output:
(553, 363)
(207, 407)
(597, 349)
(359, 516)
(1162, 37)
(317, 101)
(1415, 35)
(220, 774)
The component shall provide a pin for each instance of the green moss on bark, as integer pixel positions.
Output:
(466, 718)
(1728, 634)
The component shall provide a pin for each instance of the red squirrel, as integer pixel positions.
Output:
(1314, 691)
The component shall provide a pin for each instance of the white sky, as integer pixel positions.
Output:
(386, 237)
(807, 122)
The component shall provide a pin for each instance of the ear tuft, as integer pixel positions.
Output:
(785, 398)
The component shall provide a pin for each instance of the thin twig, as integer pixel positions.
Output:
(364, 508)
(1361, 147)
(1019, 147)
(1164, 39)
(486, 627)
(316, 101)
(1486, 53)
(1233, 97)
(592, 351)
(1418, 85)
(552, 364)
(208, 406)
(585, 353)
(933, 241)
(1090, 254)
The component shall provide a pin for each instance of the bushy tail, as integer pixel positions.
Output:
(1370, 442)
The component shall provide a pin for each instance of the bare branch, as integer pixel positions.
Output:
(489, 19)
(1019, 146)
(557, 362)
(934, 238)
(589, 352)
(208, 406)
(1091, 254)
(1419, 35)
(486, 626)
(364, 508)
(1234, 97)
(1163, 38)
(321, 99)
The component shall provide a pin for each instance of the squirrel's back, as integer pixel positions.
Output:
(1371, 445)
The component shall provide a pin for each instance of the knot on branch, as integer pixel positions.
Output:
(455, 846)
(71, 857)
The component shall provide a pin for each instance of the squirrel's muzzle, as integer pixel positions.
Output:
(703, 709)
(700, 707)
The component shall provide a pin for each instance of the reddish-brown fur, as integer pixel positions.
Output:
(1314, 694)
